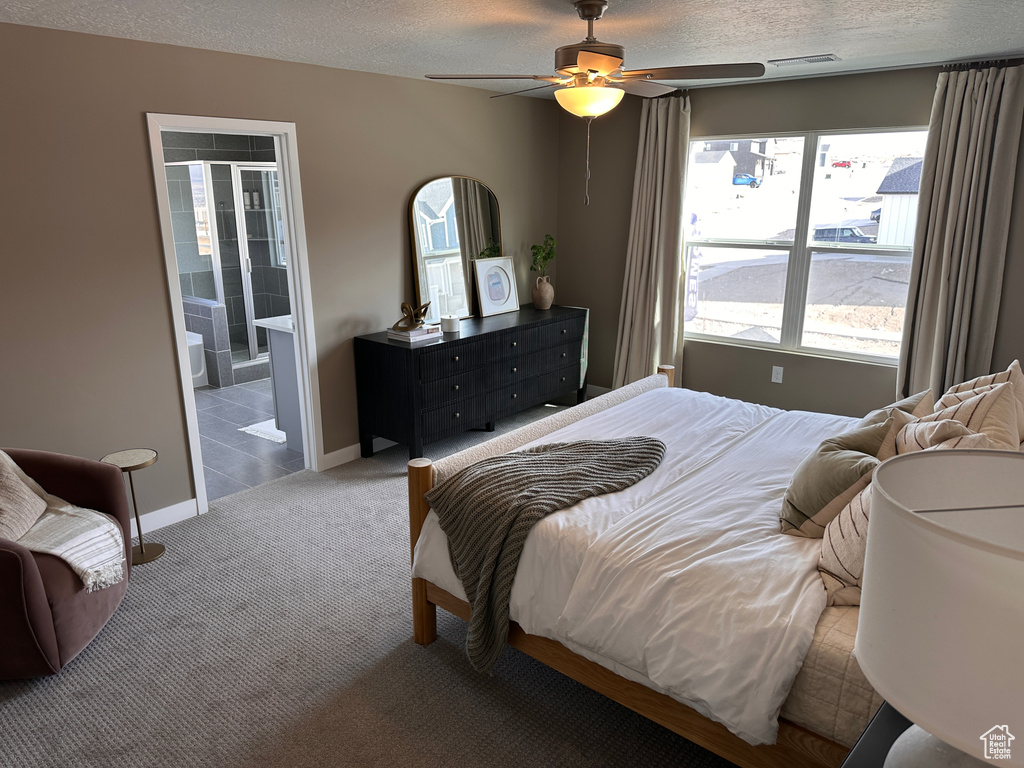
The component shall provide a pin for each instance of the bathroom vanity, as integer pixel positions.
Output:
(284, 380)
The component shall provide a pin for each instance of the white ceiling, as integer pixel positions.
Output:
(411, 39)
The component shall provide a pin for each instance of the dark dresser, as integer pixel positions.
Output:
(416, 394)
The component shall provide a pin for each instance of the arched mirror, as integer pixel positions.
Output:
(452, 220)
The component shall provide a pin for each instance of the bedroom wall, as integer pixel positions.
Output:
(88, 357)
(876, 100)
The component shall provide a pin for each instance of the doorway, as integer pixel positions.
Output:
(234, 244)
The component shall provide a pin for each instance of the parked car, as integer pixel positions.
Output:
(746, 180)
(841, 164)
(841, 234)
(876, 214)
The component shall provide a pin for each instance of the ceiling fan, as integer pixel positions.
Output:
(591, 76)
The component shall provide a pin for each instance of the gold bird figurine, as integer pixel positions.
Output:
(412, 317)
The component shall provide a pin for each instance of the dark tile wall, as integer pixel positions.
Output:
(179, 147)
(195, 270)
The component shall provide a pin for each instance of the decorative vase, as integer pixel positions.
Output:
(543, 293)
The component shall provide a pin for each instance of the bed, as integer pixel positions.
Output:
(786, 693)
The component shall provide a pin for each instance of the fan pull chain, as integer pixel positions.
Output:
(586, 184)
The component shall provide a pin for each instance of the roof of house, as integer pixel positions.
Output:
(903, 177)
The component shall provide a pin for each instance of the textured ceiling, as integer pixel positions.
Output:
(411, 39)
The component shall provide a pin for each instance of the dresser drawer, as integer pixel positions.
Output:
(562, 380)
(451, 359)
(515, 342)
(454, 388)
(561, 356)
(561, 331)
(507, 400)
(512, 370)
(453, 418)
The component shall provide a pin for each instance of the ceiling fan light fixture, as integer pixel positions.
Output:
(588, 100)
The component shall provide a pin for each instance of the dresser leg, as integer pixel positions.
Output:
(365, 445)
(416, 449)
(489, 426)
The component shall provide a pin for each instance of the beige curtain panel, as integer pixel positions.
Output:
(651, 314)
(963, 223)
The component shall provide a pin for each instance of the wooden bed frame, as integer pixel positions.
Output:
(796, 747)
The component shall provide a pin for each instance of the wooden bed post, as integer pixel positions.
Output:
(670, 371)
(424, 613)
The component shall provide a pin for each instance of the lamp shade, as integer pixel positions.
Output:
(588, 100)
(941, 629)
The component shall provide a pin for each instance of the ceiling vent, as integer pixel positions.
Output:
(822, 58)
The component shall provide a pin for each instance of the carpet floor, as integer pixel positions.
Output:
(276, 631)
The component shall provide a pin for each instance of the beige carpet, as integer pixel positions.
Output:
(276, 632)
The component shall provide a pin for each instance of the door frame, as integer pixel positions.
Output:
(299, 286)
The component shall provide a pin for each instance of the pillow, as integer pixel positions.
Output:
(1012, 374)
(844, 543)
(20, 507)
(990, 409)
(920, 404)
(829, 478)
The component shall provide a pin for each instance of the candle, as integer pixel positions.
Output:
(449, 323)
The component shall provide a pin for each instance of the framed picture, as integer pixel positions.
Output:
(496, 285)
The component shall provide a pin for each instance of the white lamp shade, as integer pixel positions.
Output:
(588, 100)
(941, 629)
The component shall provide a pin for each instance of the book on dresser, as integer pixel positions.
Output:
(416, 335)
(414, 394)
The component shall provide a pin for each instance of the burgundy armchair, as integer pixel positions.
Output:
(46, 616)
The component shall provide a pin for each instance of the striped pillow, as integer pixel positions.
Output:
(844, 543)
(1012, 374)
(991, 409)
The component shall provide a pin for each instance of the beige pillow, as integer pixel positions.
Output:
(829, 478)
(990, 409)
(920, 404)
(1012, 374)
(844, 543)
(20, 507)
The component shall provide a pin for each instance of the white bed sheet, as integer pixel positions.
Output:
(709, 511)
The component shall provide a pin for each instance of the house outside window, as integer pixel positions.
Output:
(802, 242)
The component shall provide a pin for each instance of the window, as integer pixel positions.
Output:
(802, 242)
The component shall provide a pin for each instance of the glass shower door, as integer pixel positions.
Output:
(262, 249)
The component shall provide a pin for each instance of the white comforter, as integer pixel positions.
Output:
(681, 582)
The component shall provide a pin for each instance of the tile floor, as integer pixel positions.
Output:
(233, 460)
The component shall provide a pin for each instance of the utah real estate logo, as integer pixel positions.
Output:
(997, 742)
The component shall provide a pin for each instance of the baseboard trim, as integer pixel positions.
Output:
(161, 518)
(351, 453)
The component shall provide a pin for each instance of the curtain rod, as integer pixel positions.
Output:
(964, 66)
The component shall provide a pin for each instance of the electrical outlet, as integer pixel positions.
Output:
(776, 374)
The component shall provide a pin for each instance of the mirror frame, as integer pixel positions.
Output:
(467, 260)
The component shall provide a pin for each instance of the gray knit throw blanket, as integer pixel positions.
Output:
(488, 508)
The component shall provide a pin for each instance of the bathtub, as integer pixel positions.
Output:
(196, 359)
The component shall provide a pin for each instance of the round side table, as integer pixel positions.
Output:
(129, 461)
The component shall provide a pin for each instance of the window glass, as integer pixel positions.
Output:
(744, 190)
(737, 292)
(856, 302)
(861, 195)
(865, 188)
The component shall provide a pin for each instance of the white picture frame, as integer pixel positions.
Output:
(496, 286)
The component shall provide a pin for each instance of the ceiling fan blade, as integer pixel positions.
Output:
(492, 77)
(697, 72)
(588, 61)
(644, 88)
(525, 90)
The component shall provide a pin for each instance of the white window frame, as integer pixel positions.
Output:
(800, 250)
